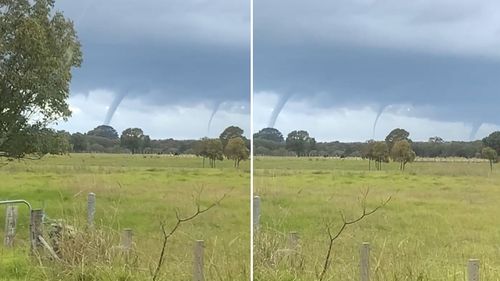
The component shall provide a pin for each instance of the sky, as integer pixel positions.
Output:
(353, 70)
(170, 67)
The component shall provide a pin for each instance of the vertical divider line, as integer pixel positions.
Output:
(251, 142)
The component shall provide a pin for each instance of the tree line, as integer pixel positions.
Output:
(231, 144)
(397, 145)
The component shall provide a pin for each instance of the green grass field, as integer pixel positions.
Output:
(441, 214)
(135, 192)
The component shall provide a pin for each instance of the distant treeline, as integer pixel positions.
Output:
(355, 149)
(271, 142)
(105, 139)
(267, 142)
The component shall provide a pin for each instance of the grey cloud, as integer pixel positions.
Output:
(165, 52)
(325, 63)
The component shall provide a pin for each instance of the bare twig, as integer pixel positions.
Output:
(180, 220)
(333, 236)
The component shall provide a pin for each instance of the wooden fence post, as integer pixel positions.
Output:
(90, 209)
(10, 225)
(473, 270)
(198, 261)
(127, 239)
(365, 261)
(256, 212)
(36, 229)
(293, 240)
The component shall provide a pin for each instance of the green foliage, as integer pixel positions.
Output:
(270, 134)
(134, 140)
(401, 152)
(104, 131)
(229, 133)
(38, 49)
(377, 151)
(396, 135)
(79, 142)
(236, 150)
(493, 141)
(300, 142)
(490, 154)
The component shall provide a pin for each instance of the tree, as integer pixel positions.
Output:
(131, 138)
(201, 149)
(229, 133)
(493, 141)
(214, 151)
(211, 149)
(436, 140)
(236, 150)
(51, 142)
(79, 142)
(401, 152)
(38, 49)
(300, 142)
(396, 135)
(270, 134)
(104, 131)
(490, 154)
(367, 152)
(379, 153)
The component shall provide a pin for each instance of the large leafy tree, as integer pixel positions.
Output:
(300, 142)
(401, 152)
(229, 133)
(211, 149)
(133, 139)
(493, 141)
(79, 142)
(104, 131)
(270, 134)
(490, 154)
(379, 152)
(236, 150)
(38, 49)
(396, 135)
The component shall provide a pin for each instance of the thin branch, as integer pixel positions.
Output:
(180, 220)
(333, 236)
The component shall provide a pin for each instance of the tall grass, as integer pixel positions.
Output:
(132, 192)
(441, 215)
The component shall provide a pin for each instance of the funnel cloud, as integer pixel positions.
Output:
(439, 58)
(164, 53)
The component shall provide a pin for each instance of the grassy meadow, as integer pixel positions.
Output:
(133, 191)
(440, 215)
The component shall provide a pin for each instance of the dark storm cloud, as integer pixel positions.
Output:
(440, 57)
(165, 52)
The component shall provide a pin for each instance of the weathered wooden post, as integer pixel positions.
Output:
(127, 239)
(473, 270)
(365, 261)
(10, 225)
(293, 240)
(90, 209)
(293, 249)
(36, 229)
(198, 261)
(256, 212)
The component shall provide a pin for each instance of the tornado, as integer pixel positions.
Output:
(113, 107)
(474, 130)
(379, 113)
(278, 108)
(214, 111)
